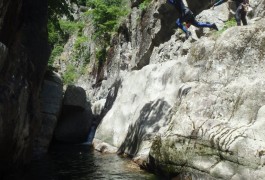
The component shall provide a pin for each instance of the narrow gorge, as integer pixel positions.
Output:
(176, 107)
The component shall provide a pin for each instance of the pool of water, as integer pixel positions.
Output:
(83, 163)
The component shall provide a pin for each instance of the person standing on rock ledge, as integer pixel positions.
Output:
(186, 15)
(241, 10)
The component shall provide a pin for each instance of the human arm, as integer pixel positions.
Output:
(219, 2)
(171, 2)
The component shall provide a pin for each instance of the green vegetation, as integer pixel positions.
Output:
(54, 34)
(101, 56)
(79, 41)
(70, 74)
(58, 9)
(145, 4)
(105, 15)
(57, 50)
(56, 40)
(69, 27)
(230, 23)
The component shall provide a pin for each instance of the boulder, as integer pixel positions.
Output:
(75, 96)
(73, 126)
(219, 15)
(104, 147)
(51, 103)
(76, 119)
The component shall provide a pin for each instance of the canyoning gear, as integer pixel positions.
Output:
(245, 7)
(179, 5)
(190, 19)
(241, 16)
(187, 25)
(188, 34)
(238, 2)
(186, 15)
(241, 10)
(180, 25)
(215, 27)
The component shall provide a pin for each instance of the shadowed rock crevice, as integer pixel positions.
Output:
(166, 15)
(199, 6)
(146, 126)
(112, 95)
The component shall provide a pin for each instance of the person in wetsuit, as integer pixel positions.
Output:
(241, 11)
(186, 15)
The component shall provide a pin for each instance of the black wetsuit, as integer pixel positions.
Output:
(186, 15)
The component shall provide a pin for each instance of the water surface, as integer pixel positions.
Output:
(80, 162)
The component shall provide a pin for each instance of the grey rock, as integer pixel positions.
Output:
(193, 105)
(75, 96)
(225, 114)
(74, 125)
(258, 8)
(3, 54)
(45, 135)
(219, 15)
(51, 104)
(197, 107)
(104, 147)
(76, 119)
(51, 96)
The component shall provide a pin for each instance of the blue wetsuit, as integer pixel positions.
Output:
(240, 14)
(238, 2)
(186, 15)
(179, 5)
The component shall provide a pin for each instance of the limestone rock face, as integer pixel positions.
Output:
(259, 7)
(23, 59)
(219, 15)
(196, 106)
(132, 47)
